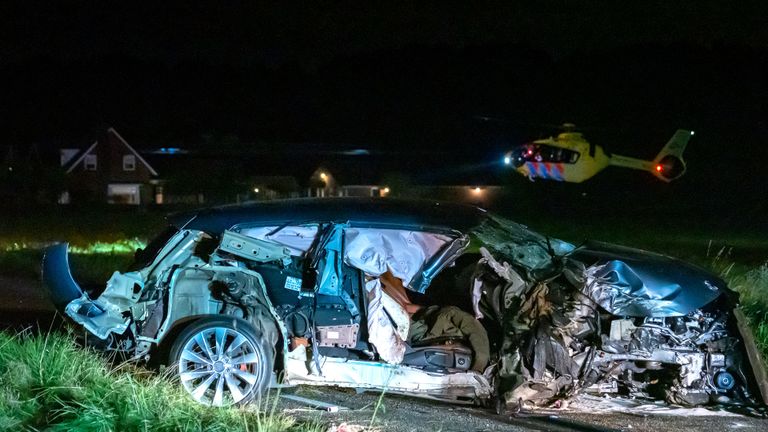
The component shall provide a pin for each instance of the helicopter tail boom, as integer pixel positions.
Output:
(668, 164)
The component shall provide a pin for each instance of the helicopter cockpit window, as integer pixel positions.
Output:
(543, 153)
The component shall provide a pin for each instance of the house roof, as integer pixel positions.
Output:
(133, 150)
(79, 157)
(110, 132)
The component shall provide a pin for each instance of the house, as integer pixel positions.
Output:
(109, 170)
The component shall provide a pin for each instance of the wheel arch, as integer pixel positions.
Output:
(162, 350)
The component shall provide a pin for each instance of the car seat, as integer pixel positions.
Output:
(442, 354)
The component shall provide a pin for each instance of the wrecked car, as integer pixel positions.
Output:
(422, 298)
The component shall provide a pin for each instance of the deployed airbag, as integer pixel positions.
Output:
(404, 253)
(388, 324)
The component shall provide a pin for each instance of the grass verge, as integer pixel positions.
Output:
(47, 382)
(93, 268)
(752, 286)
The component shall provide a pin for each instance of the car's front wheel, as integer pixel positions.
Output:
(222, 361)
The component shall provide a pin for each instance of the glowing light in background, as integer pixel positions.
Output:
(127, 246)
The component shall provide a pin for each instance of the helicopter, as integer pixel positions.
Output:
(569, 157)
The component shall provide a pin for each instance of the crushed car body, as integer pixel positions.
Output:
(422, 298)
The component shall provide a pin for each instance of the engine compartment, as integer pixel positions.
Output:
(559, 341)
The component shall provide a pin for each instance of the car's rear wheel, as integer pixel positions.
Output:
(222, 361)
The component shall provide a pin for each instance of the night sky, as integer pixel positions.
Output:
(404, 78)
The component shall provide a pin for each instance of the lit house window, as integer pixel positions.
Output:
(90, 162)
(129, 163)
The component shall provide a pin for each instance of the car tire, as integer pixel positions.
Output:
(222, 361)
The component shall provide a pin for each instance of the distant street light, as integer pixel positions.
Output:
(256, 190)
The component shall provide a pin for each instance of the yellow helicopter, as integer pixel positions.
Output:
(571, 158)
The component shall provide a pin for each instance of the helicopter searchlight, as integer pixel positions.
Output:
(569, 157)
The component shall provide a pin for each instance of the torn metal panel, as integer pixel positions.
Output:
(253, 249)
(439, 261)
(504, 270)
(519, 245)
(634, 282)
(620, 290)
(123, 289)
(298, 239)
(513, 285)
(392, 378)
(99, 318)
(106, 314)
(557, 342)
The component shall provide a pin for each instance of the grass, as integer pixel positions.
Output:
(47, 382)
(752, 286)
(88, 268)
(80, 227)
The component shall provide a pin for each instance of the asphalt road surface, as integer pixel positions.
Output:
(23, 304)
(405, 414)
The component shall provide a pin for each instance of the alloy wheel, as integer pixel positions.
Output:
(219, 366)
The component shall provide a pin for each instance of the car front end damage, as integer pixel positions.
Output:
(610, 321)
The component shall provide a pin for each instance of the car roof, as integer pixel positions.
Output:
(427, 215)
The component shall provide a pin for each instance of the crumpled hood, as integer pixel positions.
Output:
(633, 282)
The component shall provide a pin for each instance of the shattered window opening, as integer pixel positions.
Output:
(519, 245)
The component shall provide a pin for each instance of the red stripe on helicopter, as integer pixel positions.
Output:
(557, 171)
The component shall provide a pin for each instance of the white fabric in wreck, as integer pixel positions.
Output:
(298, 239)
(387, 336)
(402, 252)
(397, 315)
